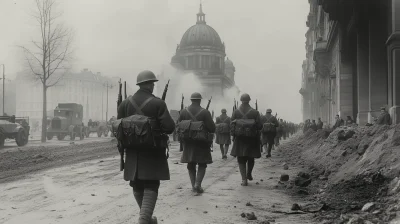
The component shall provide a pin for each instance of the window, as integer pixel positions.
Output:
(191, 63)
(205, 61)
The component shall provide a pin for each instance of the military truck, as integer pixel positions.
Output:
(14, 128)
(67, 121)
(99, 127)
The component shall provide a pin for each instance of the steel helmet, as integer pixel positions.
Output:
(245, 97)
(223, 111)
(146, 76)
(196, 96)
(269, 111)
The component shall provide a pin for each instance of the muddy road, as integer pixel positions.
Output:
(90, 189)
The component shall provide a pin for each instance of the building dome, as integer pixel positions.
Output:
(201, 35)
(228, 63)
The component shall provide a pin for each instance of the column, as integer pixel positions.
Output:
(345, 81)
(363, 73)
(378, 84)
(393, 48)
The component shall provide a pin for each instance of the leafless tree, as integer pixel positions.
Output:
(48, 56)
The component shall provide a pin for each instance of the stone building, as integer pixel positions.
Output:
(86, 88)
(201, 52)
(351, 66)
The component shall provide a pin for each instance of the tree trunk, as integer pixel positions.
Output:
(44, 119)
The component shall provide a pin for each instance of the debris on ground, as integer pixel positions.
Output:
(353, 170)
(284, 177)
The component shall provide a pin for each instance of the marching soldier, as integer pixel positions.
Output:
(197, 152)
(144, 168)
(223, 133)
(246, 148)
(270, 123)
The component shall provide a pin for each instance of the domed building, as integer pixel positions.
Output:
(202, 52)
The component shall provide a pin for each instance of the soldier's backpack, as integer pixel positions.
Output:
(222, 128)
(268, 126)
(135, 131)
(244, 127)
(193, 129)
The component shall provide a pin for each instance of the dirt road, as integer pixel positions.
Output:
(93, 191)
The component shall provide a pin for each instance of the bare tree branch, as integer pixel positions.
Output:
(49, 56)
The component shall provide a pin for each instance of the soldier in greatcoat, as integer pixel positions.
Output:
(195, 152)
(244, 148)
(223, 139)
(144, 168)
(268, 138)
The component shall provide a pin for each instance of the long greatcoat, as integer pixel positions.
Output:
(194, 151)
(243, 146)
(147, 164)
(225, 138)
(269, 137)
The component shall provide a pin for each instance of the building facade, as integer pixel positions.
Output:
(86, 88)
(351, 66)
(201, 52)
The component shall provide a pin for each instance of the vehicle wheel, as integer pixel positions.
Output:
(50, 136)
(60, 137)
(99, 134)
(22, 138)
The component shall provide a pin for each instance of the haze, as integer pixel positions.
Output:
(264, 39)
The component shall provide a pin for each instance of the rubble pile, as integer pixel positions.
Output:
(350, 168)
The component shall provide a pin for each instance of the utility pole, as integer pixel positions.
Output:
(102, 106)
(4, 79)
(107, 86)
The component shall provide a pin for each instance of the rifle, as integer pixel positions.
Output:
(182, 102)
(256, 105)
(126, 96)
(120, 149)
(208, 104)
(165, 91)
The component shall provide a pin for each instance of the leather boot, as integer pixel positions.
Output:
(226, 151)
(201, 172)
(250, 166)
(192, 175)
(221, 147)
(242, 168)
(148, 205)
(138, 197)
(269, 150)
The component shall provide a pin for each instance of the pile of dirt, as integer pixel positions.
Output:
(15, 164)
(350, 167)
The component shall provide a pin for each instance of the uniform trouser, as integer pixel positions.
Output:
(145, 193)
(243, 161)
(196, 178)
(224, 149)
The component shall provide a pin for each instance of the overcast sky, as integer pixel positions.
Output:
(264, 39)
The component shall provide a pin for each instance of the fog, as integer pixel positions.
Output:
(264, 39)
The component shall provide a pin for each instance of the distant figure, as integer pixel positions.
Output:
(383, 118)
(339, 122)
(349, 121)
(307, 124)
(320, 124)
(313, 126)
(12, 119)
